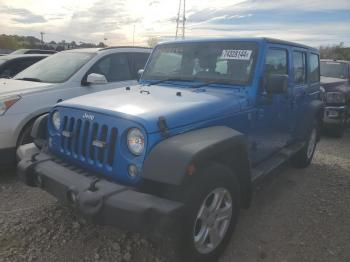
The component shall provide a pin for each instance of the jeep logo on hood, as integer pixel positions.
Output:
(88, 116)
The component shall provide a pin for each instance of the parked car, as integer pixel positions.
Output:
(11, 65)
(33, 51)
(176, 155)
(64, 75)
(335, 79)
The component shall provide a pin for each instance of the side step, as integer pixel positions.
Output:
(266, 167)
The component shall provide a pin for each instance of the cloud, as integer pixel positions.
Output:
(22, 16)
(94, 20)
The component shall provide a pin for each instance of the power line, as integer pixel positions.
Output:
(181, 20)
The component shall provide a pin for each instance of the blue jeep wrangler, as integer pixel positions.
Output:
(176, 155)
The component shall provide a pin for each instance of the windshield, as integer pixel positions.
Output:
(334, 69)
(57, 68)
(221, 62)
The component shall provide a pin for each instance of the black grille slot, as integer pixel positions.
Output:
(77, 137)
(85, 138)
(103, 139)
(64, 127)
(112, 146)
(93, 137)
(69, 139)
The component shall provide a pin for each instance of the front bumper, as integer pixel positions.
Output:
(334, 115)
(98, 199)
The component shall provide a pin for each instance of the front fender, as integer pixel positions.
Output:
(168, 161)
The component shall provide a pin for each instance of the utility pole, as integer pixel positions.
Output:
(42, 38)
(181, 20)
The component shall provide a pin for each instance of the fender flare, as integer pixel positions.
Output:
(39, 130)
(168, 161)
(314, 111)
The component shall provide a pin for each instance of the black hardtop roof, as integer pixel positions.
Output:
(255, 39)
(284, 42)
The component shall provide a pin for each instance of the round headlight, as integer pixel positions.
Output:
(135, 141)
(56, 120)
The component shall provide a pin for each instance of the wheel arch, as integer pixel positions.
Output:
(29, 120)
(314, 111)
(175, 160)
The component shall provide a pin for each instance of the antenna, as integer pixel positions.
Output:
(181, 20)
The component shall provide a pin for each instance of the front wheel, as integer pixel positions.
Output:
(304, 157)
(211, 211)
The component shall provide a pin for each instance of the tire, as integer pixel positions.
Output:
(304, 157)
(204, 234)
(25, 135)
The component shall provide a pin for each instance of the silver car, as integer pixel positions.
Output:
(61, 76)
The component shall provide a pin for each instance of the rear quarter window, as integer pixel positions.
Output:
(299, 67)
(314, 68)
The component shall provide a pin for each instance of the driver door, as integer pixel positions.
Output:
(271, 127)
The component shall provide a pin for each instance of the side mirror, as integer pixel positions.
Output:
(276, 84)
(139, 73)
(96, 79)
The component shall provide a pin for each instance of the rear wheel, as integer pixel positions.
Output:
(211, 211)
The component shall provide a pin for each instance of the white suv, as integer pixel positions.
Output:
(64, 75)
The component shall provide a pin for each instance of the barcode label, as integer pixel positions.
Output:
(236, 54)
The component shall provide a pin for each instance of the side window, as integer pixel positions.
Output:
(140, 60)
(314, 68)
(11, 68)
(103, 66)
(120, 68)
(114, 68)
(299, 67)
(276, 62)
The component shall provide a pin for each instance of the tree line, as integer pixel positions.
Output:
(14, 42)
(339, 52)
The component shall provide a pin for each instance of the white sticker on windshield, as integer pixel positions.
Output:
(236, 54)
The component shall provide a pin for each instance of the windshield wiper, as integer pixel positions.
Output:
(210, 83)
(169, 79)
(29, 79)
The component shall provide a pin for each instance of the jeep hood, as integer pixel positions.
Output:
(178, 105)
(16, 87)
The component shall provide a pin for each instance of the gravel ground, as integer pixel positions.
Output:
(296, 215)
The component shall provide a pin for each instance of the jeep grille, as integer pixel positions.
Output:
(89, 141)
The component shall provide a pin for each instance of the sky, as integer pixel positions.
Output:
(312, 22)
